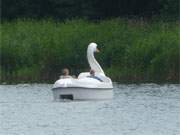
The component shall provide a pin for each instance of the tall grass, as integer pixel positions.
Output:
(131, 50)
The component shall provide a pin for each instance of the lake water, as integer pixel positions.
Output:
(145, 109)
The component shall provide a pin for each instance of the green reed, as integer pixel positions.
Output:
(131, 50)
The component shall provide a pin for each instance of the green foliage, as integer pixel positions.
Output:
(132, 50)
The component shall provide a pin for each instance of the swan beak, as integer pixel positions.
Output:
(97, 50)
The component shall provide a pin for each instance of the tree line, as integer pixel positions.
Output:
(90, 9)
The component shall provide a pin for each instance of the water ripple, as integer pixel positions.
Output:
(144, 109)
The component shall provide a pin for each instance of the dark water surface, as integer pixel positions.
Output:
(146, 109)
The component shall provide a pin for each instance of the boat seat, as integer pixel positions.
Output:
(102, 77)
(95, 77)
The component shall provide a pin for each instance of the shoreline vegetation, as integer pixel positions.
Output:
(131, 50)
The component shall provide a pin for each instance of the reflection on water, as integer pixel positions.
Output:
(146, 109)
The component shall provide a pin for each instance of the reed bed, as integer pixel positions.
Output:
(131, 50)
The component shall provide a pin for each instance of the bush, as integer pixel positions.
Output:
(132, 50)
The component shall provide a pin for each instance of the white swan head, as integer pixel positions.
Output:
(92, 47)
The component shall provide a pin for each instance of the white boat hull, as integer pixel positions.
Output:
(82, 93)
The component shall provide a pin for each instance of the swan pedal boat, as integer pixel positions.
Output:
(85, 87)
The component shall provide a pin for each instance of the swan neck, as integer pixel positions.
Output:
(93, 63)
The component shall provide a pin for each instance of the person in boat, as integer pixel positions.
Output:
(65, 74)
(92, 75)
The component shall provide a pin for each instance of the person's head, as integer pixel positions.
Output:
(92, 72)
(65, 71)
